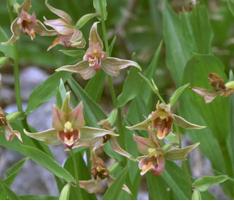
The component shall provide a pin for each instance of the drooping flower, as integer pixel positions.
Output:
(219, 86)
(155, 155)
(95, 59)
(28, 24)
(68, 35)
(100, 172)
(162, 120)
(9, 132)
(101, 140)
(68, 127)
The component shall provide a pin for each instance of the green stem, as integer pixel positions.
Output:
(113, 96)
(160, 97)
(78, 192)
(184, 165)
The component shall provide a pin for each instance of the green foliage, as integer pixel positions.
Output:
(47, 162)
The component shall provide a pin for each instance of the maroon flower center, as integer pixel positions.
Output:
(163, 126)
(69, 138)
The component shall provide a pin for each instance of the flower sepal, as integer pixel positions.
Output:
(179, 154)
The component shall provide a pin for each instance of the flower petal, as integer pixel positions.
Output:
(91, 186)
(60, 26)
(77, 39)
(227, 92)
(179, 154)
(76, 117)
(59, 12)
(66, 105)
(94, 37)
(115, 146)
(207, 95)
(143, 125)
(96, 142)
(155, 165)
(59, 118)
(89, 133)
(10, 134)
(185, 124)
(41, 30)
(143, 144)
(112, 65)
(48, 136)
(15, 31)
(26, 5)
(83, 68)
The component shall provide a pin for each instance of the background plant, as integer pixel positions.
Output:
(197, 41)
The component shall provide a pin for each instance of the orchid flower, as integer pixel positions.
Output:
(68, 127)
(95, 59)
(162, 120)
(28, 24)
(219, 86)
(68, 35)
(100, 172)
(9, 132)
(155, 155)
(102, 140)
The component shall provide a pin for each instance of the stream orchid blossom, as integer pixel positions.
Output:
(68, 127)
(162, 120)
(68, 35)
(28, 24)
(95, 59)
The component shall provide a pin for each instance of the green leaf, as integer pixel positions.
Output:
(92, 112)
(11, 175)
(84, 19)
(213, 142)
(98, 8)
(37, 197)
(176, 46)
(231, 6)
(145, 91)
(201, 65)
(157, 187)
(196, 195)
(129, 92)
(197, 30)
(7, 50)
(48, 163)
(174, 176)
(177, 94)
(112, 117)
(78, 54)
(206, 182)
(11, 195)
(112, 45)
(113, 191)
(3, 60)
(83, 171)
(61, 94)
(13, 116)
(95, 86)
(64, 195)
(46, 90)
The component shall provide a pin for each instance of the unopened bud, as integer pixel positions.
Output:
(230, 84)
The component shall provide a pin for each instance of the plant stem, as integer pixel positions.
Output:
(113, 96)
(78, 192)
(184, 165)
(160, 97)
(16, 72)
